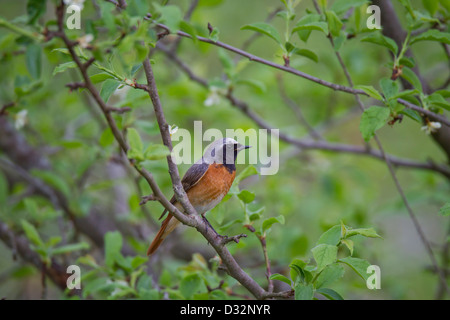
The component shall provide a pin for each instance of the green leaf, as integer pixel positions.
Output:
(35, 9)
(280, 277)
(55, 180)
(70, 248)
(310, 26)
(324, 254)
(270, 221)
(330, 274)
(64, 66)
(411, 77)
(341, 6)
(306, 53)
(389, 88)
(334, 23)
(156, 152)
(108, 88)
(414, 115)
(432, 35)
(445, 210)
(190, 285)
(113, 245)
(372, 119)
(358, 265)
(214, 35)
(307, 24)
(298, 270)
(349, 244)
(32, 234)
(365, 232)
(304, 292)
(378, 38)
(330, 294)
(137, 261)
(246, 196)
(247, 172)
(265, 29)
(332, 236)
(33, 60)
(171, 16)
(371, 91)
(259, 86)
(136, 148)
(436, 100)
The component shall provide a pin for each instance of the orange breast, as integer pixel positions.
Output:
(211, 189)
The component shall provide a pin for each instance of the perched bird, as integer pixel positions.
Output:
(206, 183)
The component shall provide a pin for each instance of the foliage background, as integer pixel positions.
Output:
(313, 190)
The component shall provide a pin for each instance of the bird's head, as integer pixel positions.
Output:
(223, 151)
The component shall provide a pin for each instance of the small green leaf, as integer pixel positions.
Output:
(358, 265)
(35, 9)
(432, 35)
(306, 53)
(330, 294)
(371, 91)
(349, 244)
(33, 60)
(156, 152)
(32, 234)
(366, 232)
(341, 6)
(378, 38)
(280, 277)
(265, 29)
(171, 16)
(64, 66)
(304, 292)
(324, 254)
(411, 77)
(70, 248)
(445, 210)
(246, 196)
(310, 26)
(190, 285)
(330, 274)
(332, 236)
(270, 221)
(135, 143)
(389, 88)
(372, 119)
(113, 245)
(334, 23)
(108, 88)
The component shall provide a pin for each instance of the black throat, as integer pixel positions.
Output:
(231, 167)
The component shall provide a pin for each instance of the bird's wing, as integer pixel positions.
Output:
(194, 174)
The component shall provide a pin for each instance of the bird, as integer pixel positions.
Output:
(206, 183)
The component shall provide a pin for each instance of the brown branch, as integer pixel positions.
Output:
(55, 272)
(304, 143)
(411, 213)
(216, 241)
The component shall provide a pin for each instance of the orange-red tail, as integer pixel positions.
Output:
(167, 227)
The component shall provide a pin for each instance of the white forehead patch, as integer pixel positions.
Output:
(229, 141)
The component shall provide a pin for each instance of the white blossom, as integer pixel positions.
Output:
(20, 119)
(173, 129)
(85, 40)
(213, 97)
(431, 127)
(78, 3)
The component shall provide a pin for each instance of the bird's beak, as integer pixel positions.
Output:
(242, 147)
